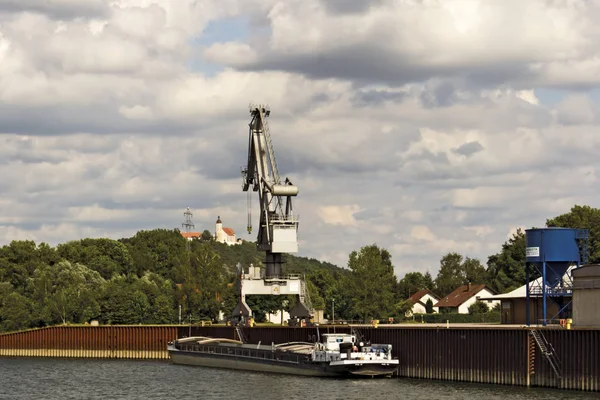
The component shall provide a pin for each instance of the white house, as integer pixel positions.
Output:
(464, 296)
(419, 300)
(224, 235)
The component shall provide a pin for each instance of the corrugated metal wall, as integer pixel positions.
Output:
(485, 355)
(90, 342)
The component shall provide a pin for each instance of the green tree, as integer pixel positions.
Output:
(67, 292)
(479, 307)
(429, 306)
(412, 282)
(455, 272)
(506, 270)
(372, 281)
(15, 312)
(206, 235)
(106, 256)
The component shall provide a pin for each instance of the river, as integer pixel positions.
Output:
(50, 379)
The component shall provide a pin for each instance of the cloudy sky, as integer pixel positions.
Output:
(424, 126)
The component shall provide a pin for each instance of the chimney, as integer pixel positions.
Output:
(469, 287)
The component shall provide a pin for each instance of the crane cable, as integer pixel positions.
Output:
(249, 212)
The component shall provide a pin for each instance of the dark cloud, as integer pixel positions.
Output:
(95, 119)
(58, 9)
(468, 149)
(376, 97)
(442, 95)
(349, 6)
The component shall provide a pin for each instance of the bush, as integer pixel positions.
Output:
(479, 307)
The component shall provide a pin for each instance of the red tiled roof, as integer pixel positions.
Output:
(460, 295)
(188, 235)
(419, 295)
(229, 231)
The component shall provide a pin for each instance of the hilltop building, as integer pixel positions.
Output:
(225, 235)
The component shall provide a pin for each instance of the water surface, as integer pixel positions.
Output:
(53, 379)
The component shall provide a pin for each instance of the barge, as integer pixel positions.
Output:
(336, 355)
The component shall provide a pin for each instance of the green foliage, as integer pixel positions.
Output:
(506, 270)
(413, 282)
(106, 256)
(372, 282)
(429, 306)
(147, 277)
(479, 307)
(455, 272)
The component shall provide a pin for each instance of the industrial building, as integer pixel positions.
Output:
(586, 296)
(554, 254)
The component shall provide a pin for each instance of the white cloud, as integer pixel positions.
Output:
(427, 141)
(339, 215)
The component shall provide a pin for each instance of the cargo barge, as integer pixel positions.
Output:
(337, 355)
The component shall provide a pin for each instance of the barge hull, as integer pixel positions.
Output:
(280, 367)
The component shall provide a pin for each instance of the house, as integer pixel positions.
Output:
(191, 235)
(463, 297)
(225, 235)
(419, 300)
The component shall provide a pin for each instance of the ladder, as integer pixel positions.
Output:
(547, 351)
(304, 296)
(359, 336)
(240, 334)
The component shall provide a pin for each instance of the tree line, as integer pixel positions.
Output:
(156, 276)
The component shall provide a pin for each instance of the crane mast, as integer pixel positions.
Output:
(278, 227)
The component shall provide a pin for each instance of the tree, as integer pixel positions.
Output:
(455, 272)
(479, 307)
(450, 274)
(412, 282)
(429, 306)
(206, 235)
(108, 257)
(372, 281)
(67, 292)
(506, 270)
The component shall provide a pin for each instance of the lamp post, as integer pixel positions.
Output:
(333, 311)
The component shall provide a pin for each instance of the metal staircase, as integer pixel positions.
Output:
(240, 334)
(304, 296)
(547, 351)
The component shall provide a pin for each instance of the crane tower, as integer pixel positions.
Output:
(278, 226)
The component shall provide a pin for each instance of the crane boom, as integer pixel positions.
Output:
(278, 227)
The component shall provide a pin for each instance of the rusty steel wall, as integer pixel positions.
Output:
(149, 342)
(485, 355)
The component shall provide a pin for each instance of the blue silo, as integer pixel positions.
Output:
(552, 251)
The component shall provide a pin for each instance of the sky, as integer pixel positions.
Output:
(422, 126)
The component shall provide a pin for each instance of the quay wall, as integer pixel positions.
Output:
(495, 355)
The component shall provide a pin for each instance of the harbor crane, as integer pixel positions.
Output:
(278, 226)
